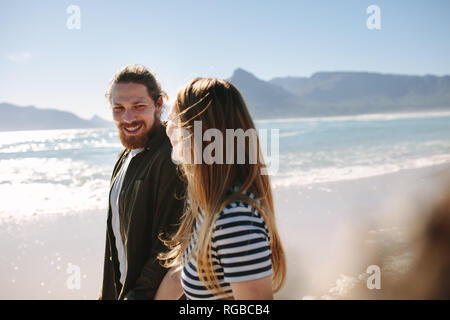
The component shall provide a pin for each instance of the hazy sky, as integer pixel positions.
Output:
(46, 64)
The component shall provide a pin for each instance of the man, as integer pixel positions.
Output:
(144, 199)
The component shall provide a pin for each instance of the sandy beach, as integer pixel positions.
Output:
(319, 225)
(325, 226)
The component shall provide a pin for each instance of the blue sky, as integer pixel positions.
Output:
(45, 64)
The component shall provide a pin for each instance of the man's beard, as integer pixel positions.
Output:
(134, 141)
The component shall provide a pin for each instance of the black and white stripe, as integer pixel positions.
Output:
(240, 251)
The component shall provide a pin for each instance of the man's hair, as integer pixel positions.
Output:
(137, 74)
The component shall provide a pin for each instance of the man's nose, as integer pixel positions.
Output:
(129, 116)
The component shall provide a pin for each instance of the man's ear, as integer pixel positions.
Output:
(159, 105)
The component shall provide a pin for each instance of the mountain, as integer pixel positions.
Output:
(341, 93)
(263, 98)
(31, 118)
(101, 123)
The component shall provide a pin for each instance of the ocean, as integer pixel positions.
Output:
(58, 172)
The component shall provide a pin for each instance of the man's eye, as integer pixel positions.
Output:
(140, 106)
(118, 109)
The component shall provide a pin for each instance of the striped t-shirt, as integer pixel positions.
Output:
(240, 252)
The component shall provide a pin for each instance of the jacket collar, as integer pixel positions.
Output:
(155, 136)
(155, 139)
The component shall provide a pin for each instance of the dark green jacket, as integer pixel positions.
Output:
(147, 207)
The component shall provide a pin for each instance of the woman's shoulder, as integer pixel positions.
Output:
(238, 209)
(239, 216)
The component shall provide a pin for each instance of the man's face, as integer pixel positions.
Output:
(135, 113)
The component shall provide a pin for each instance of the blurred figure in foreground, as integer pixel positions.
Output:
(413, 257)
(429, 275)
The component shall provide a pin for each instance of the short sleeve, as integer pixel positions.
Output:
(242, 244)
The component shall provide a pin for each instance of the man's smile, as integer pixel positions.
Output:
(133, 130)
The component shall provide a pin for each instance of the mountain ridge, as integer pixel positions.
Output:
(334, 93)
(16, 118)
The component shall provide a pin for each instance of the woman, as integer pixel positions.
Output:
(227, 245)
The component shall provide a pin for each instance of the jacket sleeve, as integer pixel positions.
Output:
(168, 207)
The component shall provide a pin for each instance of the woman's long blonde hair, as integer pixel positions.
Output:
(218, 104)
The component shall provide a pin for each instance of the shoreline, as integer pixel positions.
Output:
(356, 117)
(364, 116)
